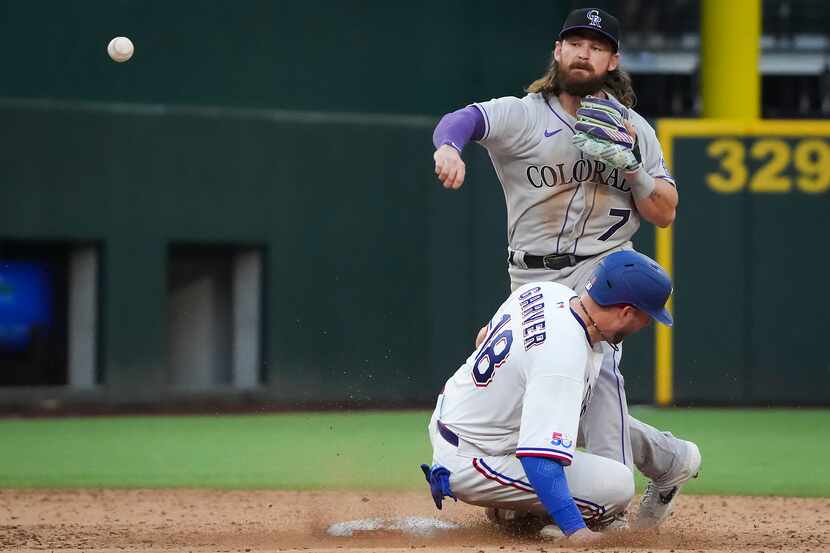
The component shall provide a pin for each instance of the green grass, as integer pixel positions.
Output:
(753, 451)
(746, 452)
(290, 451)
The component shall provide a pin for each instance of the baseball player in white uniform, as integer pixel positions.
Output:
(504, 427)
(579, 169)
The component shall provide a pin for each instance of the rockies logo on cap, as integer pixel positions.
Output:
(594, 18)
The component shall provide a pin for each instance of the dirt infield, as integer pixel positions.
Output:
(254, 521)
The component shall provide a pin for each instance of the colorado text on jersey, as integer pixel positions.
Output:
(581, 171)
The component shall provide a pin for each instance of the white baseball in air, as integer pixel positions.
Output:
(120, 49)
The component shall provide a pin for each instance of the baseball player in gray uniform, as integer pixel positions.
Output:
(580, 169)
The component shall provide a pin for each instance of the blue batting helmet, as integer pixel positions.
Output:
(628, 277)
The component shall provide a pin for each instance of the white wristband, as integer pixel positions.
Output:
(451, 143)
(642, 184)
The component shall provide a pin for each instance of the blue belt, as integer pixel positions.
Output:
(447, 434)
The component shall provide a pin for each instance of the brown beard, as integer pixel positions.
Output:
(618, 82)
(580, 87)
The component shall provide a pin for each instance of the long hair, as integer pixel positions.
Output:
(618, 82)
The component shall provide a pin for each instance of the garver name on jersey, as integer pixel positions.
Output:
(533, 317)
(583, 170)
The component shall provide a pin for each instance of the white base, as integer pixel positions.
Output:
(418, 526)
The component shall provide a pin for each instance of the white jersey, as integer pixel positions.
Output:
(523, 390)
(559, 200)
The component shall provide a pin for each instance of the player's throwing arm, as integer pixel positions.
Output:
(451, 134)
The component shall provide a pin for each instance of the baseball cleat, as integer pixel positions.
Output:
(657, 502)
(617, 522)
(518, 522)
(497, 516)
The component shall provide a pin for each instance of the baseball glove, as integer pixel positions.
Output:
(601, 133)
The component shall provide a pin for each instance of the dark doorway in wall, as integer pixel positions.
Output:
(33, 313)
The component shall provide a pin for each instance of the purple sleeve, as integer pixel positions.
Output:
(458, 128)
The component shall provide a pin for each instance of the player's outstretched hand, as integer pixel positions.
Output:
(584, 536)
(449, 167)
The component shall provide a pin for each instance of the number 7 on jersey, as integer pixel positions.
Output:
(624, 215)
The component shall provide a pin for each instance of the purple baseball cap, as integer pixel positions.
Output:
(596, 20)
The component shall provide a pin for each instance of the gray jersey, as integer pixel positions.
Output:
(558, 199)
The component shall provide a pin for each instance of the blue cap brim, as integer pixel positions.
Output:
(663, 316)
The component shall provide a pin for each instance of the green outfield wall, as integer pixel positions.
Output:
(368, 56)
(266, 125)
(376, 278)
(749, 254)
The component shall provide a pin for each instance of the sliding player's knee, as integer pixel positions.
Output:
(620, 486)
(614, 485)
